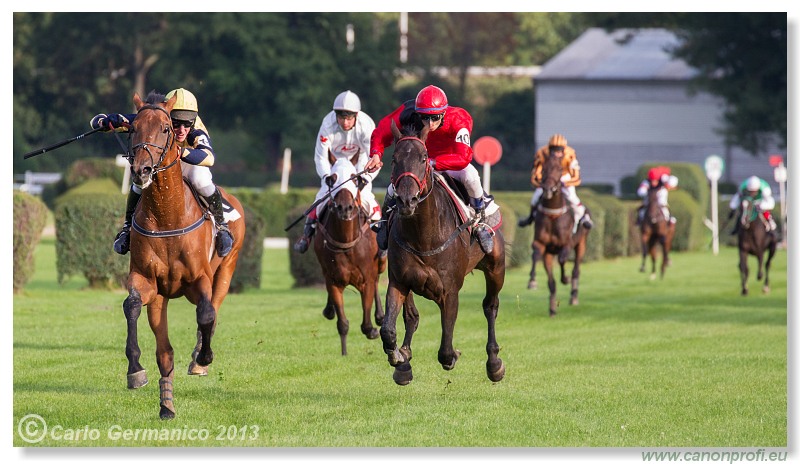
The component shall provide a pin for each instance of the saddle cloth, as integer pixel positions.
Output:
(493, 216)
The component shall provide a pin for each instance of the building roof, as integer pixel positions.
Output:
(623, 54)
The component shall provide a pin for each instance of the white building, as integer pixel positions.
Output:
(621, 101)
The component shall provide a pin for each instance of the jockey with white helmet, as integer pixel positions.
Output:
(344, 133)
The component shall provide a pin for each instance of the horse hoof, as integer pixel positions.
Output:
(652, 276)
(498, 374)
(197, 370)
(744, 292)
(205, 359)
(328, 312)
(396, 358)
(452, 364)
(765, 289)
(573, 301)
(166, 413)
(552, 314)
(402, 374)
(137, 380)
(372, 334)
(564, 281)
(532, 285)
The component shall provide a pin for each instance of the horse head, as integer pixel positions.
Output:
(551, 179)
(343, 197)
(411, 169)
(654, 213)
(749, 212)
(151, 138)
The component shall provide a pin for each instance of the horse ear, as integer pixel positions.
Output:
(137, 101)
(423, 135)
(171, 102)
(331, 180)
(395, 131)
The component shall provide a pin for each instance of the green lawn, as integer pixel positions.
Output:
(680, 362)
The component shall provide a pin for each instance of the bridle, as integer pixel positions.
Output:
(421, 183)
(149, 147)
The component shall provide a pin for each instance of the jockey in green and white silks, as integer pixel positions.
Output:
(757, 189)
(344, 134)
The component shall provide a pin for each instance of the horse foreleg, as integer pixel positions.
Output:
(157, 317)
(653, 255)
(132, 307)
(495, 369)
(394, 302)
(411, 322)
(743, 271)
(664, 257)
(378, 304)
(580, 250)
(551, 283)
(536, 256)
(367, 298)
(448, 356)
(222, 283)
(644, 253)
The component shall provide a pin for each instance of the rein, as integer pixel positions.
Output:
(422, 184)
(157, 168)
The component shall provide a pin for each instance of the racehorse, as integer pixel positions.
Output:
(553, 234)
(429, 255)
(754, 239)
(656, 231)
(172, 249)
(348, 252)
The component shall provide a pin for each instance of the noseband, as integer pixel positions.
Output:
(146, 146)
(423, 183)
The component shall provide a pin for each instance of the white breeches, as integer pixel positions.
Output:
(569, 192)
(470, 178)
(200, 177)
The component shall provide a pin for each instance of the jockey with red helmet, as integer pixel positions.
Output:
(658, 176)
(449, 150)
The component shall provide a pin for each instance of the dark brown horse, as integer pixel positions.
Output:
(754, 239)
(430, 253)
(656, 231)
(553, 236)
(172, 249)
(348, 253)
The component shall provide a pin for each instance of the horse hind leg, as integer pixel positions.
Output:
(495, 368)
(772, 246)
(743, 270)
(562, 261)
(206, 319)
(335, 306)
(367, 298)
(132, 308)
(402, 373)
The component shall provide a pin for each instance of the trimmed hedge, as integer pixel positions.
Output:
(273, 206)
(248, 265)
(86, 224)
(30, 217)
(304, 267)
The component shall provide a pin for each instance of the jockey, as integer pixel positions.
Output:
(449, 150)
(196, 159)
(757, 189)
(344, 133)
(657, 177)
(571, 177)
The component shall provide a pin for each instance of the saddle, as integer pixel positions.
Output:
(458, 194)
(228, 211)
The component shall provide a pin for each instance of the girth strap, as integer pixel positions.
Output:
(168, 233)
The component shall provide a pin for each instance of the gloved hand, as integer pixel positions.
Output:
(191, 139)
(566, 177)
(109, 121)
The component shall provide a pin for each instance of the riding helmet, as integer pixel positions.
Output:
(347, 101)
(185, 107)
(430, 100)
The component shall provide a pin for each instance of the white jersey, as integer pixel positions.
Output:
(341, 144)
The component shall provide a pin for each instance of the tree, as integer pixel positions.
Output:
(741, 57)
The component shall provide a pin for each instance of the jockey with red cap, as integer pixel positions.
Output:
(658, 176)
(449, 150)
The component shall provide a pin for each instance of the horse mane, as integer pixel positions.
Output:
(154, 97)
(410, 130)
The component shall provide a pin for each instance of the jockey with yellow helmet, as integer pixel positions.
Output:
(571, 177)
(196, 158)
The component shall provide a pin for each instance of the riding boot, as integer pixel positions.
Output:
(302, 244)
(224, 241)
(640, 215)
(480, 230)
(381, 227)
(122, 243)
(523, 222)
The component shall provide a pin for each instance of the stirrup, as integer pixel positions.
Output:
(485, 237)
(224, 241)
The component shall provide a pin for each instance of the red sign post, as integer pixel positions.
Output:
(487, 151)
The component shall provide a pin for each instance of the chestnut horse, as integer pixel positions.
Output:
(552, 234)
(348, 252)
(430, 253)
(754, 239)
(656, 231)
(172, 249)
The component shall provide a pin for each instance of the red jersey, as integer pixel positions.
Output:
(449, 145)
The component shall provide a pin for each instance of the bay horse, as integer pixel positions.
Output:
(429, 255)
(553, 234)
(348, 252)
(754, 239)
(656, 230)
(172, 249)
